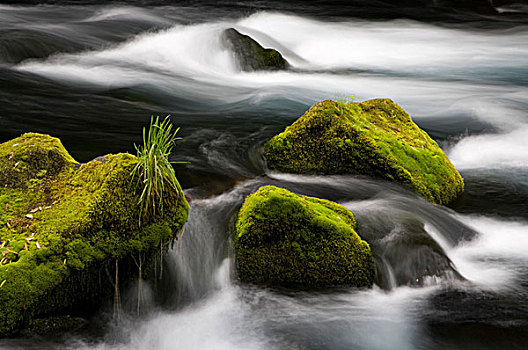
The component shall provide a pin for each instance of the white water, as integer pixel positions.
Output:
(307, 44)
(507, 150)
(501, 240)
(385, 46)
(231, 316)
(190, 61)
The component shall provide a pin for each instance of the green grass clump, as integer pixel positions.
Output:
(287, 239)
(153, 170)
(376, 138)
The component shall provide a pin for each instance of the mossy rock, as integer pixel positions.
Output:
(375, 138)
(250, 55)
(286, 239)
(61, 222)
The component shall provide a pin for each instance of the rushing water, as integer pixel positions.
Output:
(92, 75)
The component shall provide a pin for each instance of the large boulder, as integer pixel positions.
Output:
(250, 55)
(375, 138)
(286, 239)
(64, 226)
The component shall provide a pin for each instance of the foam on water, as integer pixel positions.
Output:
(179, 50)
(385, 46)
(497, 256)
(181, 56)
(505, 150)
(214, 323)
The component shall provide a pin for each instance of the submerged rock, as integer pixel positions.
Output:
(291, 240)
(61, 259)
(250, 55)
(375, 138)
(406, 254)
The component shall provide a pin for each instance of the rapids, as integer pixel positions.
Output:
(93, 74)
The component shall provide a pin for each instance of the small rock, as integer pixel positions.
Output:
(29, 216)
(250, 55)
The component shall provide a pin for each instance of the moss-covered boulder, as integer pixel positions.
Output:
(375, 138)
(63, 225)
(286, 239)
(250, 55)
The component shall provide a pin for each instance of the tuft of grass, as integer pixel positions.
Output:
(154, 171)
(345, 98)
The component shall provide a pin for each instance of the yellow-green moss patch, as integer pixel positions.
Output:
(287, 239)
(375, 138)
(60, 220)
(32, 157)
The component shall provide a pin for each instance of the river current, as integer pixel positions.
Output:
(93, 74)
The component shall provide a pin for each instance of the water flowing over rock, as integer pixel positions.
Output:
(250, 55)
(375, 138)
(84, 221)
(406, 254)
(286, 239)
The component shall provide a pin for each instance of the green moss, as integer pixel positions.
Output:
(287, 239)
(376, 138)
(32, 156)
(80, 219)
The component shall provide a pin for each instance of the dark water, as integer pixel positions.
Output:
(93, 74)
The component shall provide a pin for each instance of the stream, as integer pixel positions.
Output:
(92, 73)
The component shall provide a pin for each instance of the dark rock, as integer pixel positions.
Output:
(250, 55)
(411, 256)
(55, 325)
